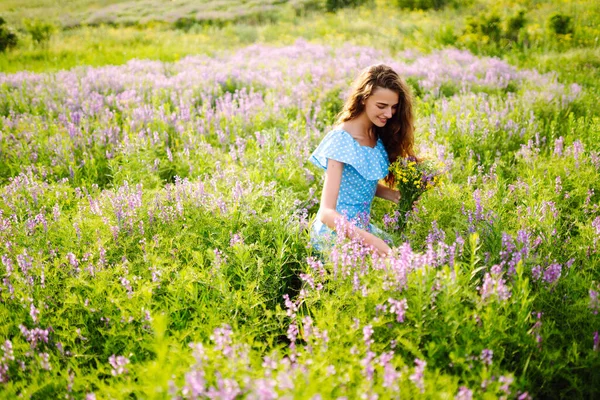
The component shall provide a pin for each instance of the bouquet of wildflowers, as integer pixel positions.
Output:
(413, 178)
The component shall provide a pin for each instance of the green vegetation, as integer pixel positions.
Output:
(525, 35)
(8, 39)
(155, 194)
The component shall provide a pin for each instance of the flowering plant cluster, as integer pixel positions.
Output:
(153, 238)
(413, 177)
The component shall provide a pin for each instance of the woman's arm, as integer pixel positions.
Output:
(328, 214)
(386, 193)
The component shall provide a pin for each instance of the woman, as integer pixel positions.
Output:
(374, 128)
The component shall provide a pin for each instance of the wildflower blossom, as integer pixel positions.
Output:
(552, 273)
(486, 356)
(494, 285)
(398, 307)
(464, 393)
(594, 301)
(118, 364)
(417, 376)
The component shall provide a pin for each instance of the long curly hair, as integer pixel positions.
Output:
(398, 133)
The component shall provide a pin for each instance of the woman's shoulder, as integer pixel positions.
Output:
(339, 137)
(339, 145)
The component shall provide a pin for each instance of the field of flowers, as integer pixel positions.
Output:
(132, 12)
(153, 234)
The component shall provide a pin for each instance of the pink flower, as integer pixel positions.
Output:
(118, 364)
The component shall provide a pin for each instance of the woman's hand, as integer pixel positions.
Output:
(386, 193)
(380, 246)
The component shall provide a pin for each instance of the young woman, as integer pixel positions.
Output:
(374, 128)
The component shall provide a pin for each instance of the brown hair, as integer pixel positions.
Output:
(398, 133)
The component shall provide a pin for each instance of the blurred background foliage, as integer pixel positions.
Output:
(45, 35)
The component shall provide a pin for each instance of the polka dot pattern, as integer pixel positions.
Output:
(364, 166)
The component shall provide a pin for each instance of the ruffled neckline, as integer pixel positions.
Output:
(379, 142)
(370, 162)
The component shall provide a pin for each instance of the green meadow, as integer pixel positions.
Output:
(156, 194)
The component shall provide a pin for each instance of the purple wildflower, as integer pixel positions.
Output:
(494, 285)
(236, 238)
(417, 376)
(118, 364)
(594, 301)
(596, 225)
(4, 373)
(45, 361)
(398, 307)
(194, 384)
(223, 338)
(464, 393)
(552, 273)
(367, 335)
(558, 146)
(486, 356)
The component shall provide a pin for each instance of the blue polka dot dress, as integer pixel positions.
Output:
(364, 166)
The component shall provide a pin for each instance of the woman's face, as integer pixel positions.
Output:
(381, 105)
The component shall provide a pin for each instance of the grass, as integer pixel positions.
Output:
(162, 217)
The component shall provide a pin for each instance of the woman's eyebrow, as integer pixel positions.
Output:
(385, 104)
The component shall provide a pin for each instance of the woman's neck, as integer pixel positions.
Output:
(361, 126)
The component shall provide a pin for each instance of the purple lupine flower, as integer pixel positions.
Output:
(390, 375)
(307, 326)
(236, 239)
(594, 301)
(72, 260)
(368, 367)
(494, 285)
(34, 336)
(34, 312)
(45, 361)
(227, 389)
(7, 264)
(558, 185)
(195, 383)
(222, 337)
(7, 350)
(309, 279)
(596, 225)
(417, 376)
(4, 373)
(577, 149)
(264, 389)
(552, 273)
(291, 307)
(558, 146)
(292, 334)
(536, 272)
(537, 329)
(486, 356)
(464, 393)
(506, 381)
(596, 341)
(127, 285)
(118, 364)
(367, 335)
(398, 307)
